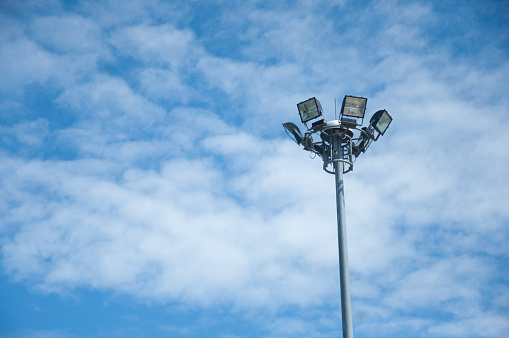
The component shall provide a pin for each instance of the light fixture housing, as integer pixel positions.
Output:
(363, 142)
(293, 132)
(354, 106)
(309, 109)
(381, 121)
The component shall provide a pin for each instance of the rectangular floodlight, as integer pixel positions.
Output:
(384, 119)
(354, 106)
(309, 109)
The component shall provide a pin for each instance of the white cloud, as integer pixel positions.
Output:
(482, 325)
(22, 62)
(68, 34)
(164, 84)
(104, 234)
(161, 44)
(31, 133)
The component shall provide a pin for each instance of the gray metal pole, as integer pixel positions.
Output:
(344, 279)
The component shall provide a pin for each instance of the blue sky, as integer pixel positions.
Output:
(148, 187)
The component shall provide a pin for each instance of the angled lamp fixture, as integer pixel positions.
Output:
(363, 142)
(310, 109)
(353, 106)
(293, 131)
(380, 121)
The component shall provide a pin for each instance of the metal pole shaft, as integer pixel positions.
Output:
(344, 279)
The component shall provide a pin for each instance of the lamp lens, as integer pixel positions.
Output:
(383, 122)
(293, 131)
(354, 106)
(293, 136)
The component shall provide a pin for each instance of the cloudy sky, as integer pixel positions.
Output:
(148, 188)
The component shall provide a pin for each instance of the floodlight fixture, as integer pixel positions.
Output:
(380, 121)
(310, 109)
(293, 131)
(354, 106)
(363, 142)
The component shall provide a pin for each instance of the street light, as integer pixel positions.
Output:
(340, 143)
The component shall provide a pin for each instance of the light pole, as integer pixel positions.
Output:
(341, 142)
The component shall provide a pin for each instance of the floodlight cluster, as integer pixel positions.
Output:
(354, 138)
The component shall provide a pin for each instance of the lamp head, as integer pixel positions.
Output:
(354, 106)
(309, 109)
(293, 132)
(363, 142)
(380, 121)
